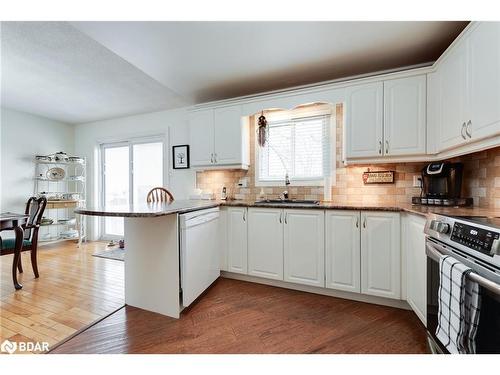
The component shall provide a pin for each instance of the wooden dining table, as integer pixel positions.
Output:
(12, 221)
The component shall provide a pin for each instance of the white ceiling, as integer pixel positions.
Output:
(83, 71)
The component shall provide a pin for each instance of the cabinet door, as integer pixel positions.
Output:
(380, 254)
(405, 116)
(364, 115)
(237, 239)
(265, 243)
(304, 247)
(484, 69)
(416, 265)
(343, 250)
(201, 137)
(453, 91)
(228, 135)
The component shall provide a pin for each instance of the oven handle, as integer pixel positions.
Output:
(435, 252)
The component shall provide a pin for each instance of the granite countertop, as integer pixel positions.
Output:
(149, 210)
(183, 206)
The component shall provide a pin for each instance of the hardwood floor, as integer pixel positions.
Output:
(241, 317)
(74, 290)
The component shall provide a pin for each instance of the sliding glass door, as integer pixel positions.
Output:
(129, 170)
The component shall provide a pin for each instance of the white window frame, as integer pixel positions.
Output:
(306, 112)
(130, 142)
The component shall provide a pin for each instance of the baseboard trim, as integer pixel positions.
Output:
(323, 291)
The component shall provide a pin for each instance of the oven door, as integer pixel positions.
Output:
(488, 333)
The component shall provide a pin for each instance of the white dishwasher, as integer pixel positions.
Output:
(199, 252)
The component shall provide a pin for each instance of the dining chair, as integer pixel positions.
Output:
(159, 194)
(34, 208)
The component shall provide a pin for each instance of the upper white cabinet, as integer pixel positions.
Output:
(405, 116)
(237, 236)
(484, 69)
(416, 264)
(342, 256)
(380, 254)
(265, 243)
(386, 118)
(304, 247)
(364, 120)
(219, 138)
(469, 90)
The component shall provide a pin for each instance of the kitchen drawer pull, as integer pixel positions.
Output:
(467, 128)
(462, 131)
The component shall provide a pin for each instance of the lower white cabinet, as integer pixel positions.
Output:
(380, 254)
(304, 246)
(343, 251)
(222, 238)
(416, 264)
(265, 243)
(237, 235)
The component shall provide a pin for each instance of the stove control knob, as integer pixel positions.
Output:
(440, 227)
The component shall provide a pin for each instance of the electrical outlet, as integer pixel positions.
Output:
(417, 181)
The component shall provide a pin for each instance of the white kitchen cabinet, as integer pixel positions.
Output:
(265, 242)
(380, 254)
(237, 236)
(304, 246)
(201, 136)
(222, 238)
(219, 138)
(405, 116)
(484, 72)
(453, 78)
(364, 120)
(416, 264)
(343, 251)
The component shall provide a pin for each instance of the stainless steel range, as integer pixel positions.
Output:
(474, 241)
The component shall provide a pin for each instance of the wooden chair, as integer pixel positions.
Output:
(34, 208)
(159, 194)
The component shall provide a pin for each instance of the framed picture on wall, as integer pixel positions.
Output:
(180, 156)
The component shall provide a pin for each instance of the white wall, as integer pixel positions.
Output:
(171, 124)
(22, 137)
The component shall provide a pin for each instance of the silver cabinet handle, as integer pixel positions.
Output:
(286, 216)
(386, 146)
(467, 128)
(244, 215)
(357, 222)
(380, 147)
(364, 222)
(215, 158)
(281, 215)
(212, 158)
(462, 131)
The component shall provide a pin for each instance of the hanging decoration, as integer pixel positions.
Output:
(262, 130)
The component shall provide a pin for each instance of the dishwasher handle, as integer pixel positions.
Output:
(200, 219)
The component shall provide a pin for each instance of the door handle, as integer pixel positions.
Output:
(286, 215)
(215, 158)
(386, 146)
(244, 215)
(357, 222)
(212, 158)
(380, 147)
(467, 128)
(281, 215)
(462, 131)
(364, 222)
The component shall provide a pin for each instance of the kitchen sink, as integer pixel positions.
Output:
(288, 202)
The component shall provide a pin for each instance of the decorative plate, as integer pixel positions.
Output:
(56, 174)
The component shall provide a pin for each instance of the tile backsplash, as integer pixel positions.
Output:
(481, 179)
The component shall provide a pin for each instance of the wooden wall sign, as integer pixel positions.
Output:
(378, 177)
